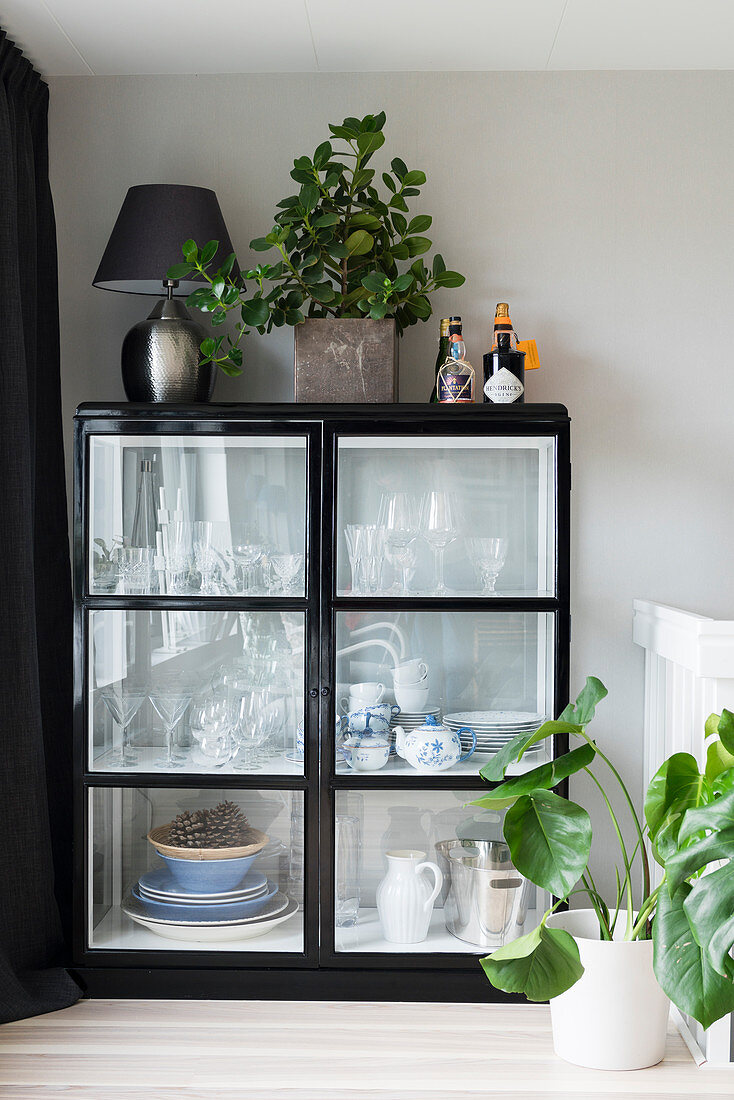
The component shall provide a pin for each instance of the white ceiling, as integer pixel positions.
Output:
(114, 37)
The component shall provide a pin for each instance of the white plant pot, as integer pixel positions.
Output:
(616, 1015)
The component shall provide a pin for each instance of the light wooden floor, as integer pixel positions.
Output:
(262, 1050)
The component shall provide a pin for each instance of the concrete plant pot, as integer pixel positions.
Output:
(350, 360)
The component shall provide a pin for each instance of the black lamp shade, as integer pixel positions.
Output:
(155, 220)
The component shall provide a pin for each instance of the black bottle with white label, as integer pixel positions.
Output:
(504, 365)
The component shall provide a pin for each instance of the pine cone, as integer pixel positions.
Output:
(227, 827)
(188, 830)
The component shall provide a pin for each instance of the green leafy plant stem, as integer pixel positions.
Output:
(647, 910)
(633, 813)
(623, 848)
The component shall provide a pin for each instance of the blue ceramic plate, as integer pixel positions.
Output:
(208, 876)
(212, 911)
(161, 885)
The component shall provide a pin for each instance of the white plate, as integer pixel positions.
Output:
(272, 908)
(502, 718)
(220, 933)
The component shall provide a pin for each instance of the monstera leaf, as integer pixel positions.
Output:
(549, 839)
(682, 967)
(541, 778)
(543, 964)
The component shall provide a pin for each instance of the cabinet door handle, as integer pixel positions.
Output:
(313, 693)
(324, 691)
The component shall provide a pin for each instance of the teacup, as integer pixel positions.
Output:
(410, 672)
(375, 718)
(412, 698)
(363, 695)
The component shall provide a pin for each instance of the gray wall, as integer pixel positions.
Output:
(600, 205)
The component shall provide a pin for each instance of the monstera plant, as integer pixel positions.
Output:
(687, 829)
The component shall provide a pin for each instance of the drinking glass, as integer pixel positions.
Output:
(247, 730)
(399, 516)
(177, 542)
(347, 859)
(353, 533)
(287, 567)
(488, 556)
(170, 701)
(247, 551)
(136, 569)
(123, 703)
(205, 556)
(439, 528)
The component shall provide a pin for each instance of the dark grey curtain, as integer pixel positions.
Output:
(35, 595)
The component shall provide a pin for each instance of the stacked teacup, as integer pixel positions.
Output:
(410, 684)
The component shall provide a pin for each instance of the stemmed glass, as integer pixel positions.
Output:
(488, 556)
(247, 729)
(439, 528)
(210, 722)
(170, 700)
(205, 556)
(399, 516)
(354, 535)
(247, 551)
(287, 567)
(123, 703)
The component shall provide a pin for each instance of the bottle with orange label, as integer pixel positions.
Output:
(455, 380)
(504, 365)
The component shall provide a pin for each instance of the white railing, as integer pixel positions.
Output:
(689, 673)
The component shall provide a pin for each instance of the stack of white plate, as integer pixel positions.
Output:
(494, 728)
(411, 720)
(277, 909)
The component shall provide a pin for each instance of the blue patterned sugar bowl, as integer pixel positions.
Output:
(432, 747)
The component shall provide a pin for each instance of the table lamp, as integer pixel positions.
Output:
(160, 356)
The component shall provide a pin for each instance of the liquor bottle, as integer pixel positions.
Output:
(444, 344)
(455, 381)
(504, 365)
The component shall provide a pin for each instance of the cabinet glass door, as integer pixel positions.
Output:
(449, 515)
(481, 674)
(143, 896)
(381, 839)
(197, 515)
(196, 692)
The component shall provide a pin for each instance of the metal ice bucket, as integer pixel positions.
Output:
(486, 903)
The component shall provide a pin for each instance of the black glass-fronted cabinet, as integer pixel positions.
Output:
(300, 633)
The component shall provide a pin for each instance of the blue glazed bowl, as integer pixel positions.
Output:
(208, 876)
(207, 910)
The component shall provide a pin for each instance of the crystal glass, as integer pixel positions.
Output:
(287, 567)
(205, 556)
(210, 722)
(248, 729)
(354, 535)
(247, 550)
(488, 556)
(177, 538)
(136, 569)
(439, 527)
(123, 702)
(347, 859)
(171, 700)
(398, 515)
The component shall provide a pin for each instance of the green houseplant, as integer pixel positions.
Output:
(688, 829)
(345, 249)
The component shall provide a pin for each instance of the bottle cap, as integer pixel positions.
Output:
(445, 322)
(503, 310)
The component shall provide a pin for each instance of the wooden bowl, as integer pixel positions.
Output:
(158, 837)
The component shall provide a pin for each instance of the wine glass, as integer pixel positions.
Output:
(287, 567)
(123, 702)
(399, 516)
(488, 556)
(354, 536)
(439, 528)
(170, 700)
(247, 729)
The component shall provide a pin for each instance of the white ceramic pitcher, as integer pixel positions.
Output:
(405, 898)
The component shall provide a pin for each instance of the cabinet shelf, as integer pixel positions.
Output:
(365, 937)
(116, 932)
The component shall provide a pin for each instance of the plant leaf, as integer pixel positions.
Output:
(438, 265)
(682, 969)
(449, 278)
(413, 179)
(710, 911)
(359, 243)
(322, 156)
(692, 859)
(209, 251)
(676, 786)
(726, 730)
(255, 312)
(417, 245)
(420, 223)
(542, 964)
(261, 244)
(541, 778)
(179, 271)
(368, 143)
(718, 760)
(549, 839)
(399, 167)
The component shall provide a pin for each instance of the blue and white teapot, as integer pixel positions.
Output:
(432, 747)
